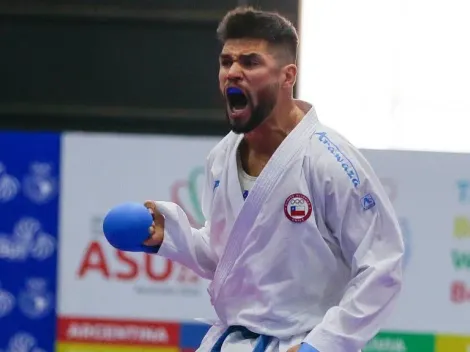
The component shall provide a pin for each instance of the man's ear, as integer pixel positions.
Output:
(290, 76)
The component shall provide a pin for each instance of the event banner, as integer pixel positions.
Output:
(428, 194)
(107, 295)
(124, 300)
(29, 208)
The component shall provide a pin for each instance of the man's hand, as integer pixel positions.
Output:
(156, 230)
(304, 347)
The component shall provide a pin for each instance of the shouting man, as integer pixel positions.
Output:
(301, 243)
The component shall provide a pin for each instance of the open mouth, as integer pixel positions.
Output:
(237, 100)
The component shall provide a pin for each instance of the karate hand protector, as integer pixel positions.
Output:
(305, 347)
(126, 227)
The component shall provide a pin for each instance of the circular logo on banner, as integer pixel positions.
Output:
(297, 207)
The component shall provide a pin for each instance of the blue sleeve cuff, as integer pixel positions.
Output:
(305, 347)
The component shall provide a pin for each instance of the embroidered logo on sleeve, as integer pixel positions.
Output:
(297, 207)
(341, 158)
(367, 202)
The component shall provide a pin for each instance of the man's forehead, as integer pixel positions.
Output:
(245, 47)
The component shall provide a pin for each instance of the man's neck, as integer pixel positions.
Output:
(265, 139)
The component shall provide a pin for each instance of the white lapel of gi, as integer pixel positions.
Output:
(235, 195)
(264, 185)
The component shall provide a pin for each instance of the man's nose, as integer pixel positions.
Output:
(235, 73)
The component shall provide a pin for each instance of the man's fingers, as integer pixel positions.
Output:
(156, 230)
(150, 205)
(294, 349)
(156, 215)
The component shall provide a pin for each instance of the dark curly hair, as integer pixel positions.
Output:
(249, 23)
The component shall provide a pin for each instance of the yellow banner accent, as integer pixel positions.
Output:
(449, 343)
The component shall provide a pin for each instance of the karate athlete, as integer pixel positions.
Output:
(301, 244)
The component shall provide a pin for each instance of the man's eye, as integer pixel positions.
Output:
(249, 63)
(225, 63)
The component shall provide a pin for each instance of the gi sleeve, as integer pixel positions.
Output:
(187, 245)
(360, 215)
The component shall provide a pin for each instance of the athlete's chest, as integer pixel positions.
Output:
(289, 200)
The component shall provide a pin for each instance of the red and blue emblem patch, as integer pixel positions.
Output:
(297, 207)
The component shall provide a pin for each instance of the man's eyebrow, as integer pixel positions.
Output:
(243, 56)
(225, 56)
(252, 56)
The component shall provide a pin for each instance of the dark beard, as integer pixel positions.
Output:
(259, 113)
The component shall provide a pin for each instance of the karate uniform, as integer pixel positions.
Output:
(313, 254)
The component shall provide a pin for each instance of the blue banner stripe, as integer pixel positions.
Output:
(192, 334)
(29, 204)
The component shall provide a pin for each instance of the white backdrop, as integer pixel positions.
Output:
(100, 171)
(396, 67)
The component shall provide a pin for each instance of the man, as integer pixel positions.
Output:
(301, 242)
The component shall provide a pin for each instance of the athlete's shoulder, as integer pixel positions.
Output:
(337, 159)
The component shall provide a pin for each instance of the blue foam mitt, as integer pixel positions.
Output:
(126, 227)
